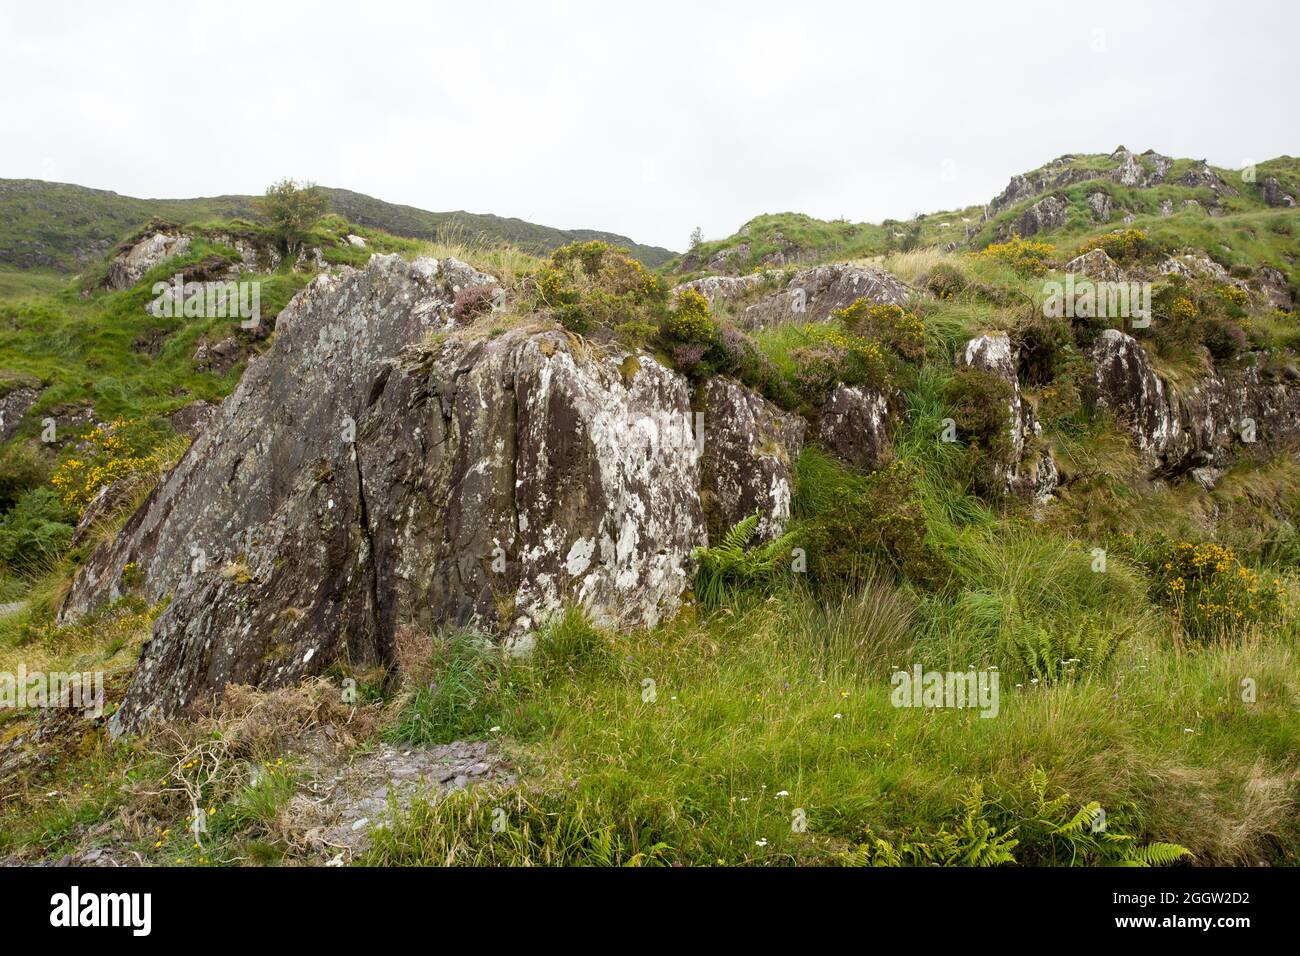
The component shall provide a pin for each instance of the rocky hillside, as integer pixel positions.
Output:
(65, 227)
(1070, 197)
(664, 538)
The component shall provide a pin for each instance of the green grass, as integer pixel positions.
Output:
(751, 722)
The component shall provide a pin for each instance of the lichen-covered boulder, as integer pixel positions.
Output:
(813, 294)
(720, 290)
(854, 425)
(1272, 284)
(750, 446)
(127, 267)
(19, 395)
(1128, 384)
(1205, 423)
(1095, 265)
(1274, 193)
(1026, 469)
(508, 477)
(1101, 205)
(1050, 212)
(363, 477)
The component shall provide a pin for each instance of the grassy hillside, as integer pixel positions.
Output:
(770, 736)
(56, 226)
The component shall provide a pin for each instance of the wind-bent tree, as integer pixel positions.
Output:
(290, 209)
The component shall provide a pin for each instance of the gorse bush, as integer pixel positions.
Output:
(1213, 592)
(1122, 245)
(944, 281)
(106, 454)
(689, 321)
(1026, 256)
(590, 286)
(890, 325)
(832, 356)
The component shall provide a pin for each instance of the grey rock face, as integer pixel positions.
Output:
(1274, 193)
(258, 531)
(508, 477)
(1130, 171)
(1157, 165)
(1198, 427)
(1273, 285)
(854, 426)
(720, 290)
(14, 404)
(1019, 189)
(750, 447)
(1021, 472)
(1101, 205)
(1201, 175)
(127, 267)
(813, 294)
(1050, 212)
(254, 257)
(193, 418)
(1095, 265)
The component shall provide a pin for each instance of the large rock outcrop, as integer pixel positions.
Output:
(364, 477)
(810, 296)
(1050, 212)
(129, 265)
(1200, 426)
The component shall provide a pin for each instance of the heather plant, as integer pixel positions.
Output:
(978, 402)
(854, 526)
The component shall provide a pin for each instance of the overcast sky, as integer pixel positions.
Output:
(646, 119)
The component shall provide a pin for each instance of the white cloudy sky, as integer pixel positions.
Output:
(645, 119)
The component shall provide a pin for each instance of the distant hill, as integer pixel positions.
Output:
(1067, 199)
(63, 227)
